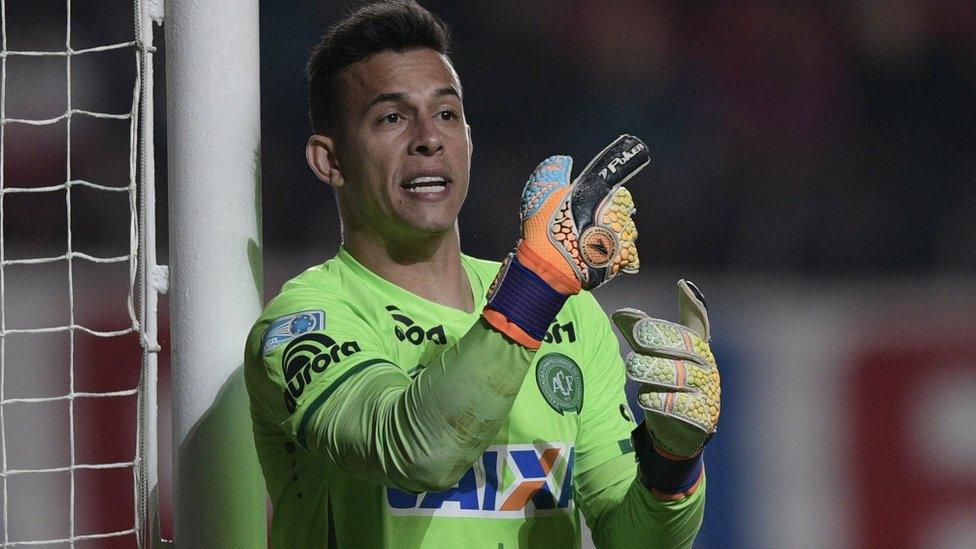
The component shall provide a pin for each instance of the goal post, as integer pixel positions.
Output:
(216, 284)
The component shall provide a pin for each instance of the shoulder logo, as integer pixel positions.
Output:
(305, 358)
(560, 382)
(286, 328)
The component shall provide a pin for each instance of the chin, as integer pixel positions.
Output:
(428, 220)
(432, 226)
(435, 229)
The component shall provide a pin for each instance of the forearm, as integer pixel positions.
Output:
(422, 434)
(641, 519)
(626, 514)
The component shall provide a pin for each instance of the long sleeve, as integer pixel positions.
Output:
(421, 434)
(339, 392)
(620, 511)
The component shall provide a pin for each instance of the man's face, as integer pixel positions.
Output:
(405, 148)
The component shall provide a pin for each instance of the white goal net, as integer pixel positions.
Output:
(77, 268)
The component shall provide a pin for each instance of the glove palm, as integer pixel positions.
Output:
(679, 380)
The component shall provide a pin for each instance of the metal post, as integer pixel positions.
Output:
(216, 284)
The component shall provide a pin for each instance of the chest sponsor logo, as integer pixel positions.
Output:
(308, 356)
(286, 328)
(407, 330)
(508, 481)
(560, 382)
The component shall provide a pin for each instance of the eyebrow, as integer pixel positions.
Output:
(400, 96)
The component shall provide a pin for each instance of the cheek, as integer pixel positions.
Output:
(369, 175)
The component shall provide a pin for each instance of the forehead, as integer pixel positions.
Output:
(417, 72)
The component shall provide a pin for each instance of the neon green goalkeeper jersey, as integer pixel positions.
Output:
(339, 342)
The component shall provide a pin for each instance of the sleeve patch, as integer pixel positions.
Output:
(286, 328)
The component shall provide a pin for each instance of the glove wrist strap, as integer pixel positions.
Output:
(522, 305)
(565, 283)
(660, 474)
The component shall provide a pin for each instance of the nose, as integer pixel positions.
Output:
(427, 139)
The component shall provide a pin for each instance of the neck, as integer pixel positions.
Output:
(429, 267)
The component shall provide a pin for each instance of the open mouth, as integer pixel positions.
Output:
(426, 184)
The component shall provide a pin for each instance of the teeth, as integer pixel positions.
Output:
(426, 184)
(426, 189)
(427, 179)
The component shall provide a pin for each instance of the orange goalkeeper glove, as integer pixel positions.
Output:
(575, 235)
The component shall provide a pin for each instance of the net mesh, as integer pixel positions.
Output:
(27, 517)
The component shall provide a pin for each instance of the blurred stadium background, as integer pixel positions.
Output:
(813, 171)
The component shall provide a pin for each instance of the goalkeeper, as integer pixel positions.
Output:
(404, 394)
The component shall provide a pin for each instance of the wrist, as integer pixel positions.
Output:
(522, 304)
(666, 475)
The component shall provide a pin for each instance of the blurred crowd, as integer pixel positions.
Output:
(806, 137)
(819, 137)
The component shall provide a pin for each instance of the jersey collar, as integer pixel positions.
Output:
(478, 291)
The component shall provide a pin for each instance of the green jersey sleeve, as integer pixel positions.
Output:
(617, 507)
(303, 348)
(337, 389)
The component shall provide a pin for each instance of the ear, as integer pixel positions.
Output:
(321, 155)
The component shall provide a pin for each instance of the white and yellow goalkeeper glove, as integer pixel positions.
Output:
(679, 390)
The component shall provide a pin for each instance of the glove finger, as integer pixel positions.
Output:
(664, 374)
(612, 167)
(624, 320)
(598, 245)
(652, 336)
(694, 408)
(549, 176)
(615, 214)
(692, 310)
(658, 373)
(617, 163)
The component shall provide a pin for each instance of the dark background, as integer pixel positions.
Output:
(829, 137)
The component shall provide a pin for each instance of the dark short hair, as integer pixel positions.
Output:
(397, 25)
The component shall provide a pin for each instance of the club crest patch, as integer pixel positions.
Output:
(560, 382)
(286, 328)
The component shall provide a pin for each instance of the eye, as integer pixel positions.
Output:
(447, 115)
(392, 118)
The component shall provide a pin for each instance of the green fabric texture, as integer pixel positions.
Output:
(382, 419)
